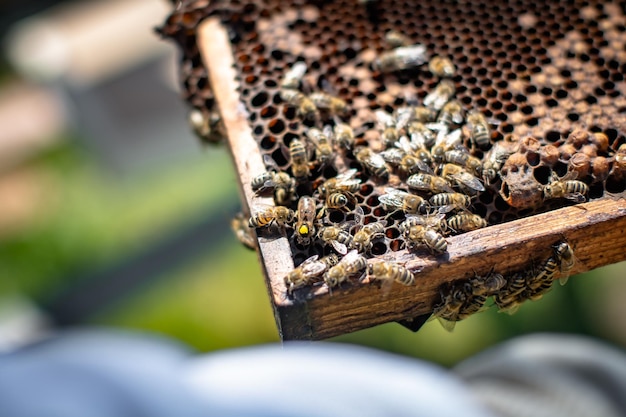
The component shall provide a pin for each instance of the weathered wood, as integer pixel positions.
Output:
(595, 230)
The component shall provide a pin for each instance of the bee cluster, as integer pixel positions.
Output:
(461, 299)
(386, 129)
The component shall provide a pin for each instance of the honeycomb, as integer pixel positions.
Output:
(548, 77)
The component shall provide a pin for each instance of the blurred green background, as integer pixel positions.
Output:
(77, 218)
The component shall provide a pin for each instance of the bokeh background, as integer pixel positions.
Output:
(112, 214)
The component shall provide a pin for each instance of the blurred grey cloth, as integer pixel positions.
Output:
(549, 375)
(111, 374)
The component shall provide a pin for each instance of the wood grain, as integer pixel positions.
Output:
(595, 230)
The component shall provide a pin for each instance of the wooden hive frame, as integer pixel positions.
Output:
(507, 247)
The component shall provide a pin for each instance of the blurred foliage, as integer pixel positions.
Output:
(88, 217)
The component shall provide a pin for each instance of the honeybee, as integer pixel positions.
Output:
(372, 162)
(442, 93)
(402, 58)
(465, 222)
(453, 298)
(305, 218)
(271, 215)
(566, 259)
(541, 281)
(462, 158)
(421, 136)
(451, 113)
(340, 201)
(565, 188)
(446, 202)
(408, 163)
(308, 271)
(423, 235)
(509, 298)
(323, 149)
(396, 39)
(389, 131)
(463, 179)
(293, 76)
(299, 159)
(446, 141)
(239, 225)
(338, 237)
(283, 185)
(480, 288)
(344, 182)
(329, 103)
(305, 106)
(441, 66)
(433, 221)
(408, 114)
(209, 128)
(362, 240)
(394, 199)
(390, 272)
(619, 163)
(431, 183)
(495, 158)
(480, 133)
(344, 135)
(349, 266)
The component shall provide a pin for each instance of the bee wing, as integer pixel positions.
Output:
(445, 209)
(309, 260)
(570, 175)
(576, 197)
(468, 180)
(376, 160)
(403, 116)
(413, 55)
(449, 325)
(350, 256)
(390, 200)
(392, 155)
(315, 269)
(298, 69)
(404, 144)
(384, 119)
(339, 247)
(348, 175)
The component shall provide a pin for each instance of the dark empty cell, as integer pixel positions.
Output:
(276, 126)
(542, 174)
(591, 99)
(520, 68)
(553, 136)
(546, 91)
(511, 76)
(243, 58)
(378, 248)
(329, 172)
(573, 117)
(268, 112)
(561, 94)
(608, 85)
(611, 134)
(486, 82)
(533, 121)
(615, 184)
(502, 84)
(552, 103)
(507, 128)
(584, 58)
(617, 77)
(506, 95)
(491, 92)
(260, 99)
(596, 190)
(496, 105)
(289, 113)
(366, 189)
(379, 212)
(560, 168)
(277, 54)
(494, 218)
(279, 157)
(466, 100)
(511, 107)
(392, 233)
(258, 130)
(499, 202)
(485, 198)
(336, 216)
(251, 79)
(245, 92)
(599, 92)
(502, 117)
(477, 91)
(531, 89)
(396, 245)
(268, 141)
(270, 83)
(527, 110)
